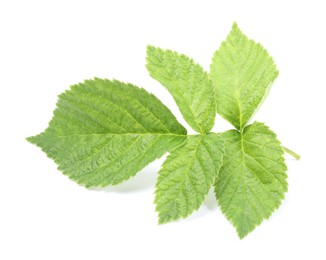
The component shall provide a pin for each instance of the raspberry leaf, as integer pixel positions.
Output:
(103, 132)
(242, 72)
(187, 175)
(252, 181)
(188, 83)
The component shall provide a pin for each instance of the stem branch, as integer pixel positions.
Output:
(295, 155)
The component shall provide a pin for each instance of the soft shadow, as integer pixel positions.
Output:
(210, 201)
(144, 180)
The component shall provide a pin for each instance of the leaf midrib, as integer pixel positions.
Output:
(166, 84)
(102, 134)
(186, 171)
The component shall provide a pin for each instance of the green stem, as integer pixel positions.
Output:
(295, 155)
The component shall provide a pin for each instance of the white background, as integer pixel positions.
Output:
(47, 46)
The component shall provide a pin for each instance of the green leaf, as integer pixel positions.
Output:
(103, 132)
(187, 175)
(242, 72)
(252, 180)
(188, 83)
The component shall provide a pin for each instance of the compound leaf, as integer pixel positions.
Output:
(188, 83)
(103, 132)
(252, 181)
(187, 175)
(242, 72)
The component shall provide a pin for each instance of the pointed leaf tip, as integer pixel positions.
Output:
(235, 28)
(150, 48)
(31, 139)
(235, 25)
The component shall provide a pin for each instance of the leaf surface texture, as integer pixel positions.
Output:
(187, 175)
(242, 72)
(103, 132)
(252, 180)
(188, 83)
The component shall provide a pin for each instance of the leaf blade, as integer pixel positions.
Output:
(187, 175)
(242, 72)
(103, 132)
(252, 181)
(188, 83)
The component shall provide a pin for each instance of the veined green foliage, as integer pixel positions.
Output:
(188, 83)
(242, 72)
(103, 132)
(252, 180)
(187, 175)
